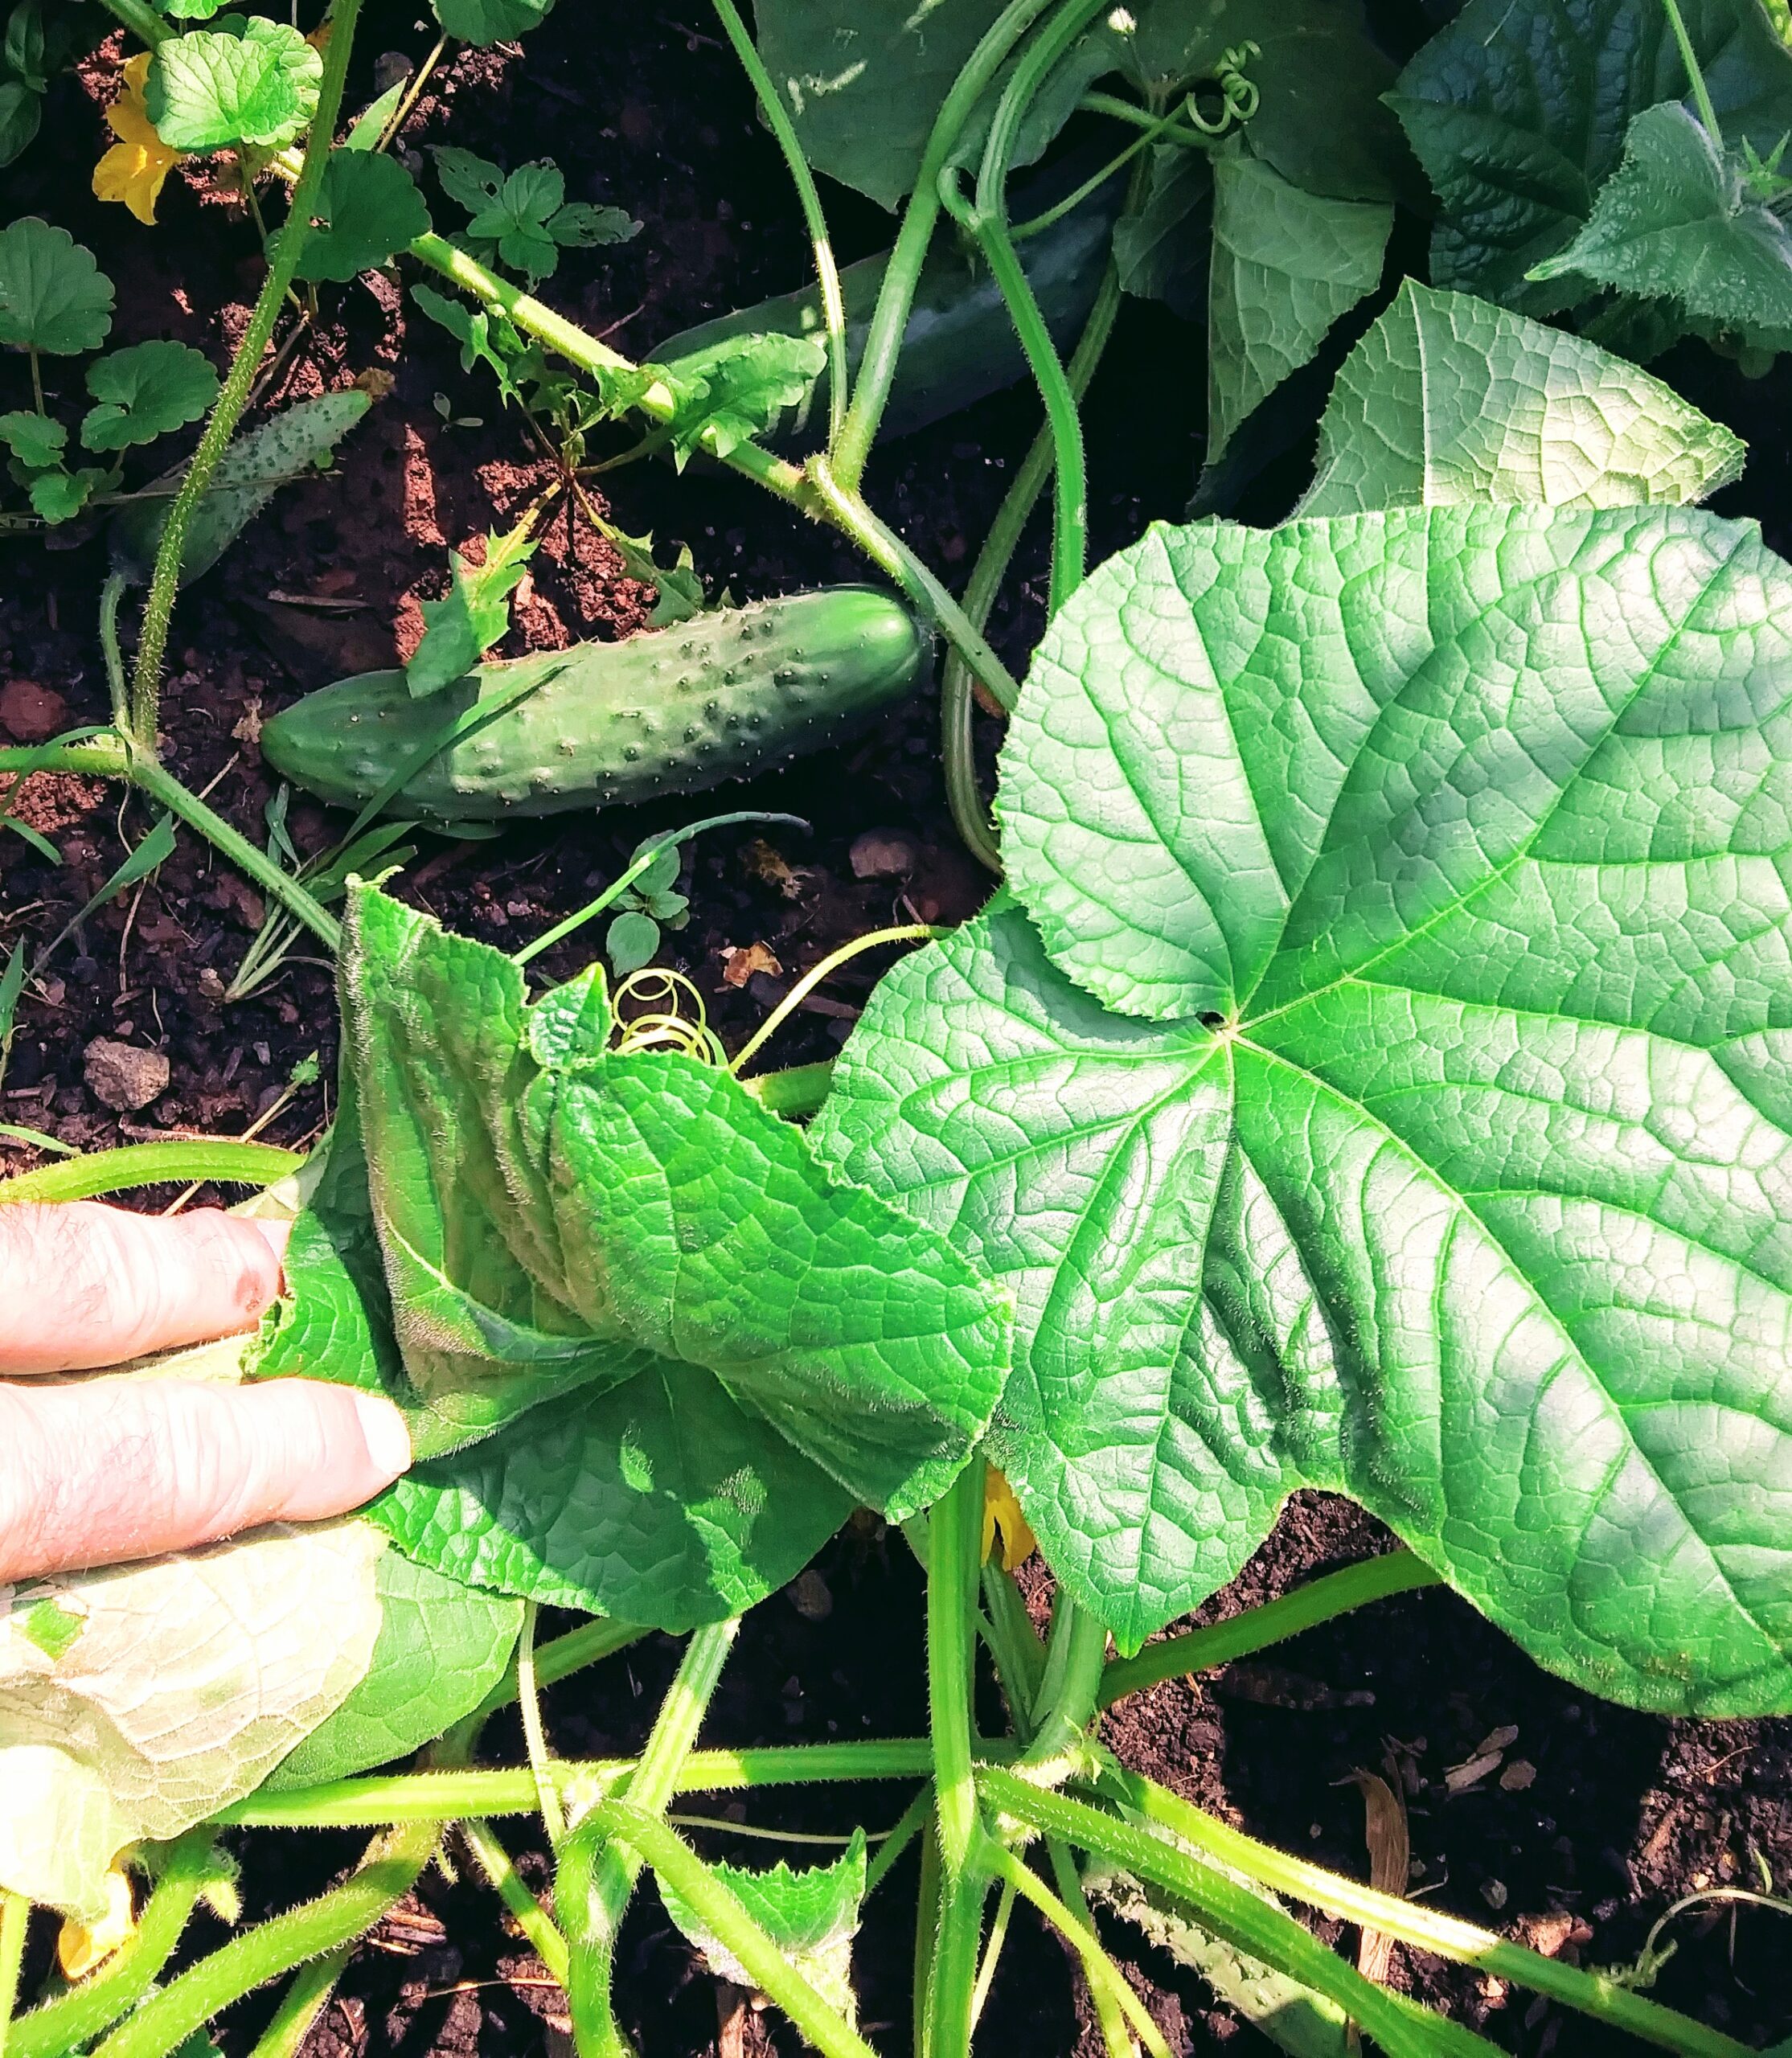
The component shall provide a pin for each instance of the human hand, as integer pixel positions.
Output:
(96, 1473)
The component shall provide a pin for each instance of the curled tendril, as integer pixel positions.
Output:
(671, 1016)
(1239, 97)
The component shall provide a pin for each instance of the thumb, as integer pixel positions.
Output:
(96, 1473)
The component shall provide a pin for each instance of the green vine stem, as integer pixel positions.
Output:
(109, 757)
(988, 222)
(535, 1734)
(301, 2004)
(890, 317)
(592, 1891)
(1105, 1979)
(827, 273)
(532, 1918)
(1425, 1928)
(1319, 1601)
(612, 1824)
(954, 1537)
(418, 1797)
(72, 2020)
(15, 1920)
(134, 1165)
(798, 1090)
(1068, 1690)
(1234, 1912)
(912, 1821)
(1689, 57)
(1111, 2014)
(252, 1958)
(239, 382)
(970, 813)
(589, 1644)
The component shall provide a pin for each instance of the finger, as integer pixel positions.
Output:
(93, 1475)
(83, 1285)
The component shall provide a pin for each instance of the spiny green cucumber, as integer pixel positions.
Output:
(715, 698)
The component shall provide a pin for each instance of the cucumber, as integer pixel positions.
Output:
(959, 347)
(715, 698)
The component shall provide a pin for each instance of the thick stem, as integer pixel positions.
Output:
(532, 1918)
(72, 2020)
(614, 1823)
(1425, 1928)
(826, 272)
(432, 1796)
(300, 2005)
(955, 1536)
(594, 1889)
(1319, 1601)
(1068, 1690)
(902, 274)
(238, 381)
(1233, 1912)
(251, 1959)
(135, 1165)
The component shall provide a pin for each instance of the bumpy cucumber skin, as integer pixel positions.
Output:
(959, 345)
(716, 697)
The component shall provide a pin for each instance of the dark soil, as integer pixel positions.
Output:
(1594, 1820)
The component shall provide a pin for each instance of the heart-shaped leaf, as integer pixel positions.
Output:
(368, 208)
(255, 81)
(1443, 1155)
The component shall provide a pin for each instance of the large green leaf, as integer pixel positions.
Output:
(1447, 848)
(1518, 111)
(863, 79)
(368, 208)
(1287, 265)
(136, 1700)
(442, 1647)
(1679, 220)
(662, 1501)
(250, 80)
(53, 296)
(1449, 401)
(547, 1213)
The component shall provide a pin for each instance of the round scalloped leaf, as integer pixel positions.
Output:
(146, 391)
(1449, 849)
(53, 297)
(253, 82)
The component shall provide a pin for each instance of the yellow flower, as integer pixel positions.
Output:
(80, 1950)
(134, 169)
(1002, 1511)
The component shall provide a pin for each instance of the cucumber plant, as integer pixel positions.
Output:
(1371, 1075)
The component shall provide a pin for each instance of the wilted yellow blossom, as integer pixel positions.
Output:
(134, 169)
(1002, 1511)
(79, 1950)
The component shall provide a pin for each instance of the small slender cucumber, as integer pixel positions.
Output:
(715, 698)
(959, 345)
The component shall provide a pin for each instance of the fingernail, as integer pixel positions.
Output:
(389, 1441)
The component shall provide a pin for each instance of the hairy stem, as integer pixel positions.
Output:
(954, 1536)
(1068, 1689)
(254, 1957)
(1319, 1601)
(72, 2020)
(798, 1090)
(613, 1824)
(593, 1889)
(586, 1645)
(301, 2004)
(1234, 1912)
(133, 1165)
(1425, 1928)
(532, 1918)
(233, 397)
